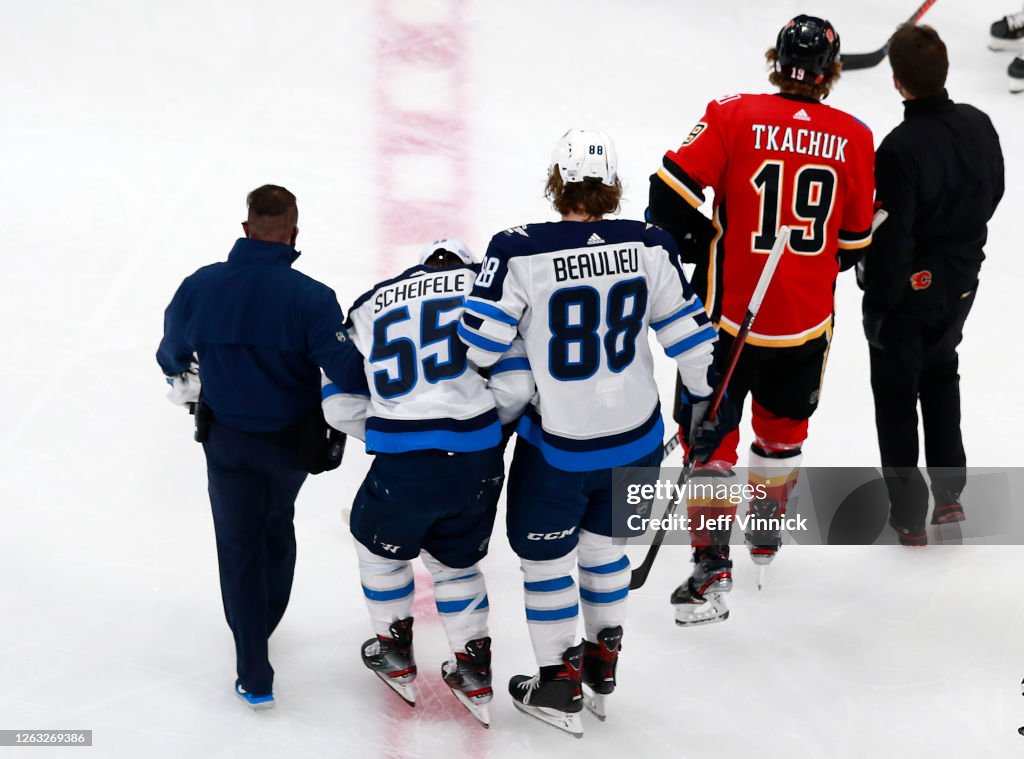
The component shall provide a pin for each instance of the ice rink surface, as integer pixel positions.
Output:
(129, 135)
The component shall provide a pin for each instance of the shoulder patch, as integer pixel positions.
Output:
(728, 99)
(516, 231)
(696, 132)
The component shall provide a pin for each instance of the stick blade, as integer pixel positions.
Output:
(854, 61)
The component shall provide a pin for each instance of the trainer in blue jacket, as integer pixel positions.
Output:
(260, 330)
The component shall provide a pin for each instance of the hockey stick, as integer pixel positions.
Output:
(855, 61)
(639, 575)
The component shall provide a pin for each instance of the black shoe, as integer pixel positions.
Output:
(910, 536)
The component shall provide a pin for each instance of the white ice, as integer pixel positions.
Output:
(129, 134)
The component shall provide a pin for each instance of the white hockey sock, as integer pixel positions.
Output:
(777, 473)
(604, 583)
(552, 606)
(388, 587)
(461, 598)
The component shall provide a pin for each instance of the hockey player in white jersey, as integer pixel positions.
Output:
(433, 487)
(582, 293)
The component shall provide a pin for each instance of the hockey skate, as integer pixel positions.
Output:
(469, 677)
(700, 600)
(392, 661)
(1015, 72)
(553, 695)
(1007, 33)
(599, 663)
(763, 543)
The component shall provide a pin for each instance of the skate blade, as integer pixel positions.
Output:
(570, 723)
(405, 691)
(480, 712)
(1005, 46)
(712, 610)
(762, 576)
(595, 703)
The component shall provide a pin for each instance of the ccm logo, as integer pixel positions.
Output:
(550, 535)
(921, 280)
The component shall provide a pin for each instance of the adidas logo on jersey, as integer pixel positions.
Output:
(595, 239)
(801, 115)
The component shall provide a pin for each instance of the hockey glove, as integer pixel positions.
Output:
(184, 387)
(703, 436)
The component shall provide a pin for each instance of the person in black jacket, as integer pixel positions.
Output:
(260, 331)
(939, 175)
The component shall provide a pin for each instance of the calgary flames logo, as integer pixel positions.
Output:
(921, 280)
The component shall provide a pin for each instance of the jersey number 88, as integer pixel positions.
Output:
(574, 317)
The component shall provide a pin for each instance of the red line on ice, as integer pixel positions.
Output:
(402, 133)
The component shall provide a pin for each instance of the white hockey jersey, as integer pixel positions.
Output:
(582, 296)
(422, 393)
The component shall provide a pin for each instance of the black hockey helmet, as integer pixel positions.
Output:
(806, 49)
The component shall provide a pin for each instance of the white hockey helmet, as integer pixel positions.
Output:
(449, 244)
(586, 154)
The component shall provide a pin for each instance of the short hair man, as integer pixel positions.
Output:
(260, 330)
(939, 175)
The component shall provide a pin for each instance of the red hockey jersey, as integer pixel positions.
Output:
(774, 160)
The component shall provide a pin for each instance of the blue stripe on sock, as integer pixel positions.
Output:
(603, 597)
(454, 607)
(457, 579)
(548, 586)
(390, 595)
(610, 568)
(552, 615)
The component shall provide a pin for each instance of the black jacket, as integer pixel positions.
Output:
(261, 329)
(939, 174)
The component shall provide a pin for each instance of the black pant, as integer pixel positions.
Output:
(253, 483)
(920, 362)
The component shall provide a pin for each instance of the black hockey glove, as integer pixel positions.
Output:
(693, 234)
(702, 437)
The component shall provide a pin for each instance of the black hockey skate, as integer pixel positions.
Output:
(554, 694)
(599, 663)
(700, 600)
(1008, 33)
(763, 543)
(1016, 74)
(469, 677)
(392, 661)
